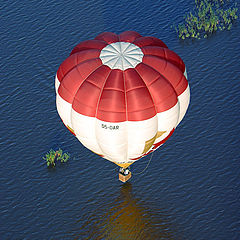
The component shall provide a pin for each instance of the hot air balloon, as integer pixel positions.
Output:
(122, 95)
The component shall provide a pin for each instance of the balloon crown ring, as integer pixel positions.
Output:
(121, 55)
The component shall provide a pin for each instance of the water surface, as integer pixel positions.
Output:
(190, 189)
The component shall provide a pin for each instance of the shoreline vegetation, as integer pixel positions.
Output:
(207, 17)
(53, 156)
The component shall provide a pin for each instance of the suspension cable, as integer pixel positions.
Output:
(145, 167)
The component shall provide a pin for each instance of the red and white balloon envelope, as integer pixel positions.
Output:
(122, 95)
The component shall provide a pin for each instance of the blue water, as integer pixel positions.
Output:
(191, 189)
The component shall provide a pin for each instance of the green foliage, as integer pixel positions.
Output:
(207, 17)
(58, 155)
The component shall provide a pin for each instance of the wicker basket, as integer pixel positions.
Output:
(124, 178)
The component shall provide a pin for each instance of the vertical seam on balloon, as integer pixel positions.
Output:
(178, 102)
(152, 101)
(126, 111)
(80, 87)
(101, 91)
(162, 74)
(179, 120)
(95, 119)
(156, 69)
(97, 110)
(146, 88)
(164, 52)
(76, 55)
(169, 83)
(76, 66)
(85, 77)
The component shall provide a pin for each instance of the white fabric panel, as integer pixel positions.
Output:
(90, 143)
(139, 133)
(111, 138)
(57, 83)
(184, 100)
(64, 110)
(121, 141)
(167, 120)
(84, 128)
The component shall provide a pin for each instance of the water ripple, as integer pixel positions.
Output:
(191, 188)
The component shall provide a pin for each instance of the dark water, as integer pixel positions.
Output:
(191, 189)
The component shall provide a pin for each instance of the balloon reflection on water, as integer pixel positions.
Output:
(126, 217)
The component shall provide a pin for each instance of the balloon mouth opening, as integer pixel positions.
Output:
(123, 165)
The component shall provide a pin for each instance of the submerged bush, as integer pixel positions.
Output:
(207, 17)
(58, 155)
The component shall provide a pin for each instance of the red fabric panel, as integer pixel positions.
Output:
(83, 107)
(88, 67)
(149, 41)
(69, 85)
(147, 73)
(155, 62)
(74, 60)
(89, 44)
(173, 74)
(166, 54)
(72, 81)
(108, 37)
(114, 95)
(112, 101)
(162, 92)
(129, 36)
(140, 105)
(112, 106)
(114, 117)
(87, 97)
(115, 80)
(173, 58)
(176, 78)
(141, 115)
(99, 76)
(132, 79)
